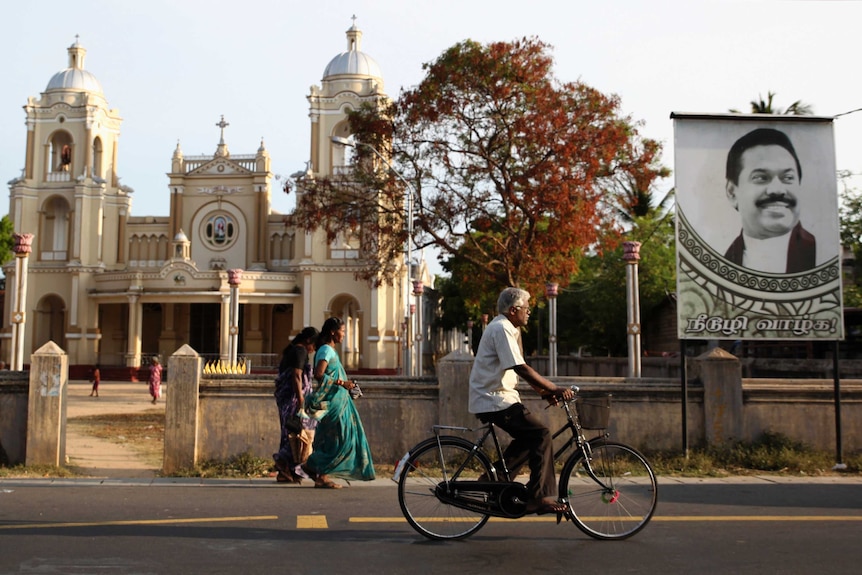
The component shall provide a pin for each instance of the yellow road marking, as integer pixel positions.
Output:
(311, 522)
(319, 521)
(761, 518)
(141, 522)
(668, 518)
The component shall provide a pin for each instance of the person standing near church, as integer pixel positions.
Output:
(155, 380)
(96, 379)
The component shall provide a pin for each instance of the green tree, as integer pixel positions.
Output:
(511, 167)
(6, 240)
(594, 305)
(850, 218)
(761, 106)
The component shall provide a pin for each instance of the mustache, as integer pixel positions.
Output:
(789, 201)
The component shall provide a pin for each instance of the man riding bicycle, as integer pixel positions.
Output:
(493, 399)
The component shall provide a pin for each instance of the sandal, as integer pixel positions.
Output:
(285, 473)
(327, 485)
(545, 507)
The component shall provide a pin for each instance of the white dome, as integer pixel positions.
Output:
(353, 62)
(75, 77)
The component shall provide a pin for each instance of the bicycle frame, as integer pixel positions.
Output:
(572, 423)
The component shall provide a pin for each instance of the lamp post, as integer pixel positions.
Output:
(408, 249)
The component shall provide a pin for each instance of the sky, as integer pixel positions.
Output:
(173, 67)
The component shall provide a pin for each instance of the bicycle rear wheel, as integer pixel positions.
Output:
(624, 500)
(427, 466)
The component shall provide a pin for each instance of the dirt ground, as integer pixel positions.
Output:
(109, 458)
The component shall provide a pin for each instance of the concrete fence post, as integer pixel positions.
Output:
(722, 396)
(46, 410)
(181, 410)
(453, 379)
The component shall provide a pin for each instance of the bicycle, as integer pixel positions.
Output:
(448, 487)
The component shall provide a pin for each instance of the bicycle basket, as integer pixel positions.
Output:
(594, 412)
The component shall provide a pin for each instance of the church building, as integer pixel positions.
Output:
(221, 271)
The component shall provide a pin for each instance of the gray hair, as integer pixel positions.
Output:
(512, 297)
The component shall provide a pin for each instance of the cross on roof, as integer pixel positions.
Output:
(222, 124)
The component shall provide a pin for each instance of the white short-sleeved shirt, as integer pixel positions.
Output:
(492, 379)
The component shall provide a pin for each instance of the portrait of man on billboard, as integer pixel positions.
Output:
(764, 182)
(758, 250)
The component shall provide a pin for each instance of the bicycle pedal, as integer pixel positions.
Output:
(560, 516)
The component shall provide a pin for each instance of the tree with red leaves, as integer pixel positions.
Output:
(513, 170)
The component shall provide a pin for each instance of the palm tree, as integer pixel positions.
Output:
(761, 106)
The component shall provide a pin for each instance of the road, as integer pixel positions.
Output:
(173, 526)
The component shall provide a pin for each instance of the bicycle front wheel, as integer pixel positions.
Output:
(428, 465)
(622, 497)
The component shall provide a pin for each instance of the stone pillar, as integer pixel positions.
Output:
(631, 255)
(181, 410)
(418, 289)
(21, 249)
(453, 377)
(46, 412)
(721, 375)
(234, 278)
(133, 348)
(551, 291)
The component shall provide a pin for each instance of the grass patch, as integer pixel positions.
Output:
(771, 453)
(35, 471)
(244, 465)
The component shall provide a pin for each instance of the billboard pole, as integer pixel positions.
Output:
(839, 449)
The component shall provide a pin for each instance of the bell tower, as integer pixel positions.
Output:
(69, 197)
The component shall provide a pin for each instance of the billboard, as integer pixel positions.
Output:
(758, 249)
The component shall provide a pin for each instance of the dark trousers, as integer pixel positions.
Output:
(531, 444)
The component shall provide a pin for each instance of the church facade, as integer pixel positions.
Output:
(115, 289)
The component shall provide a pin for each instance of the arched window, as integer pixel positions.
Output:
(61, 151)
(97, 158)
(54, 243)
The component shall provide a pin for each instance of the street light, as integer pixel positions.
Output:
(408, 252)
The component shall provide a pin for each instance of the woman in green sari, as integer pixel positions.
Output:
(340, 448)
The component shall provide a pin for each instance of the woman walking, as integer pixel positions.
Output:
(291, 386)
(340, 447)
(155, 380)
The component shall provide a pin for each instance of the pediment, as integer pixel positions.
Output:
(220, 167)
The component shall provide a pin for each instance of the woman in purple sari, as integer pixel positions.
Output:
(291, 386)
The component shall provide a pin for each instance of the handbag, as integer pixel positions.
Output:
(294, 423)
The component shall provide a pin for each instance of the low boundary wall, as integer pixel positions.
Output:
(221, 416)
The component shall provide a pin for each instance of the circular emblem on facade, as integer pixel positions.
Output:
(219, 230)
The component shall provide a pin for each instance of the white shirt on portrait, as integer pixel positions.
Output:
(768, 255)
